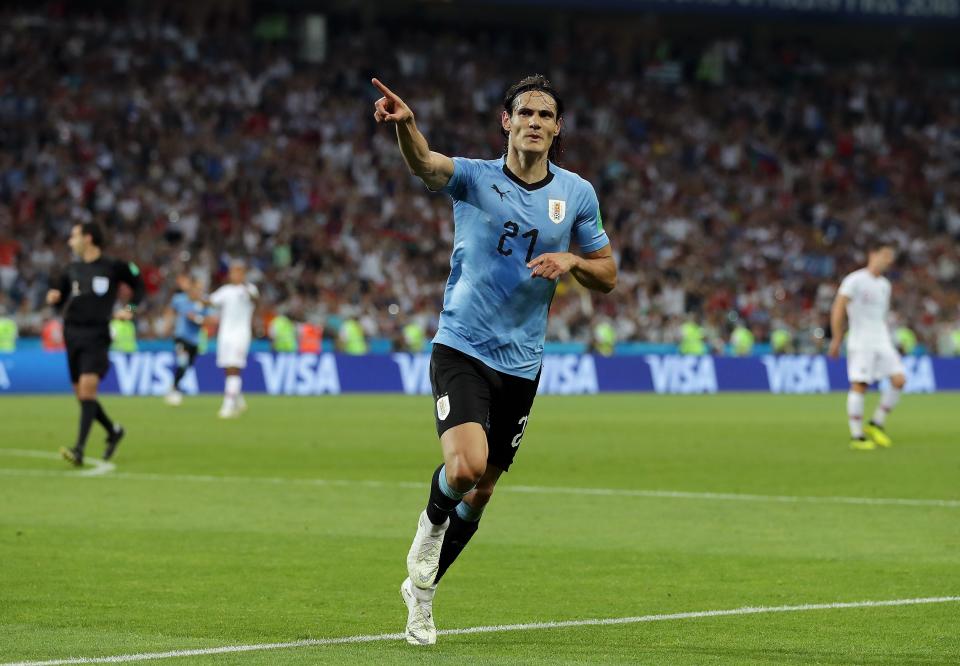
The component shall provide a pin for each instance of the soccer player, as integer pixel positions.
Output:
(514, 218)
(190, 311)
(237, 301)
(88, 291)
(864, 299)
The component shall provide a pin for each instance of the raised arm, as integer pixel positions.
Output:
(434, 169)
(838, 319)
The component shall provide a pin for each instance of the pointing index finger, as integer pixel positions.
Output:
(382, 88)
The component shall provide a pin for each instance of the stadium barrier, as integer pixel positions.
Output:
(151, 373)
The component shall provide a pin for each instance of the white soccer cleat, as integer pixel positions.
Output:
(174, 398)
(241, 405)
(420, 627)
(228, 413)
(423, 560)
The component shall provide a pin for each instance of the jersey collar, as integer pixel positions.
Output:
(530, 187)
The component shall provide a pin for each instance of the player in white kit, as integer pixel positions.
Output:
(237, 301)
(864, 300)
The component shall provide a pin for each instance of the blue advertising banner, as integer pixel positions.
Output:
(151, 373)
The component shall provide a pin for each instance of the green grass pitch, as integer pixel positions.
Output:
(214, 533)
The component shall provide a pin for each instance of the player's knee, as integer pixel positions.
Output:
(465, 470)
(87, 387)
(858, 387)
(898, 381)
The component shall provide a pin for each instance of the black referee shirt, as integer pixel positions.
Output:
(88, 290)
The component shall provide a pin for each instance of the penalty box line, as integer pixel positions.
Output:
(490, 629)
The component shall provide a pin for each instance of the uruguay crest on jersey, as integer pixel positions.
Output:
(558, 210)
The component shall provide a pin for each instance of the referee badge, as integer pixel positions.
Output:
(558, 210)
(101, 285)
(443, 407)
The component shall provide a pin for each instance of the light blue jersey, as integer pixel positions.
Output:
(492, 309)
(186, 329)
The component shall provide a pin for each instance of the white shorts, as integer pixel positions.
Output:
(872, 365)
(232, 352)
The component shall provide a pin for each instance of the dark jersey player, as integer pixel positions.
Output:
(87, 291)
(514, 220)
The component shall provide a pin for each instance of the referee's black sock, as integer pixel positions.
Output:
(103, 419)
(443, 498)
(463, 525)
(88, 412)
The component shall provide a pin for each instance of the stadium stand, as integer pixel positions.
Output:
(737, 182)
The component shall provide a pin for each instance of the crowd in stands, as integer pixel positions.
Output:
(738, 185)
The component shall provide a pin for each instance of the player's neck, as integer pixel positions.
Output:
(91, 254)
(874, 272)
(528, 167)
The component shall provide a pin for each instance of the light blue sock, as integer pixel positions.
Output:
(445, 487)
(468, 513)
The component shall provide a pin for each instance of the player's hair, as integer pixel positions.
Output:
(527, 84)
(95, 231)
(877, 245)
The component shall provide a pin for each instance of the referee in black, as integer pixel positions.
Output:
(88, 290)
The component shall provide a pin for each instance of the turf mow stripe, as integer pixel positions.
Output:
(107, 470)
(490, 629)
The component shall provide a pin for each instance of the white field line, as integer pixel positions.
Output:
(96, 467)
(107, 471)
(530, 626)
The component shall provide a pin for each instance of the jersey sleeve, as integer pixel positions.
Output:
(129, 273)
(62, 284)
(848, 287)
(465, 172)
(218, 297)
(588, 225)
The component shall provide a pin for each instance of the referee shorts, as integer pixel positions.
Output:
(88, 351)
(465, 390)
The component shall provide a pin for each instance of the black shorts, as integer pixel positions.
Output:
(465, 390)
(186, 352)
(88, 351)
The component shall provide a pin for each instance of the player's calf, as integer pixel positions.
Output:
(423, 558)
(463, 525)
